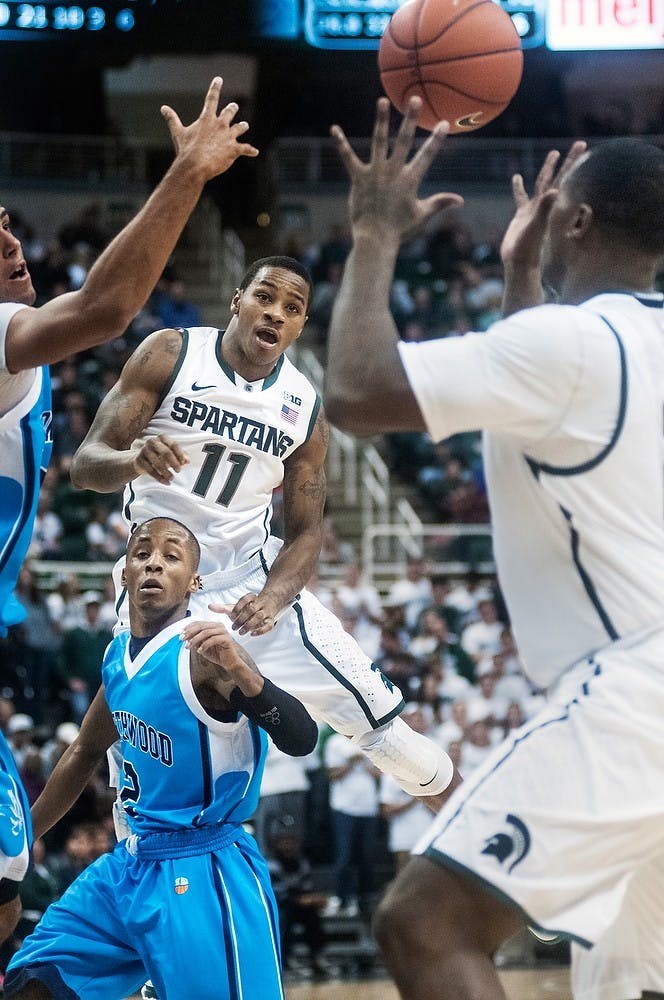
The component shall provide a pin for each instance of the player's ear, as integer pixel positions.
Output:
(196, 584)
(235, 302)
(123, 577)
(582, 220)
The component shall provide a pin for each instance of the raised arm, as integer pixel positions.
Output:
(76, 766)
(522, 243)
(366, 387)
(304, 500)
(222, 672)
(108, 457)
(123, 277)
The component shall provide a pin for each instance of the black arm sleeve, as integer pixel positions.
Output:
(283, 717)
(8, 890)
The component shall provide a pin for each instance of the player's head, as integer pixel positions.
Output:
(269, 308)
(282, 262)
(614, 196)
(15, 281)
(161, 571)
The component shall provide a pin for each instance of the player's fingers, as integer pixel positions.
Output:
(576, 150)
(429, 150)
(264, 628)
(344, 149)
(172, 120)
(381, 130)
(439, 202)
(519, 191)
(228, 113)
(545, 204)
(221, 609)
(404, 140)
(245, 149)
(211, 102)
(548, 169)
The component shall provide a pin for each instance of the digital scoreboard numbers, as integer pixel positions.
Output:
(23, 21)
(359, 24)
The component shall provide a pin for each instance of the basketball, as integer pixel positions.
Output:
(462, 57)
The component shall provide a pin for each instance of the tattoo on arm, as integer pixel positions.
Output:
(136, 422)
(323, 428)
(313, 488)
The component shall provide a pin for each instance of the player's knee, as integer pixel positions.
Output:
(405, 918)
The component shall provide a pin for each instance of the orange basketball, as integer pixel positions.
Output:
(462, 57)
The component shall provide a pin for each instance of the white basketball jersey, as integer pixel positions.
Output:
(237, 435)
(571, 400)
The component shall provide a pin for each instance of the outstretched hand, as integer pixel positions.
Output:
(522, 241)
(383, 197)
(212, 140)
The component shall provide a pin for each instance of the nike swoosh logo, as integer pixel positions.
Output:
(198, 388)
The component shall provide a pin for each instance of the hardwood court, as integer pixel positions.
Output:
(519, 984)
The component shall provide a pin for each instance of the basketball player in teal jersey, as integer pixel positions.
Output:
(203, 425)
(561, 827)
(186, 898)
(30, 339)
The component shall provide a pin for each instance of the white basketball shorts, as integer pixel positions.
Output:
(565, 815)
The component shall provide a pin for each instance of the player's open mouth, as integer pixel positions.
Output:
(151, 585)
(20, 272)
(267, 336)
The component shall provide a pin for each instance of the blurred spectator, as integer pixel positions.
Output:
(38, 640)
(64, 604)
(32, 773)
(299, 902)
(106, 534)
(477, 745)
(322, 300)
(354, 807)
(282, 799)
(46, 540)
(334, 551)
(20, 737)
(482, 638)
(83, 648)
(413, 591)
(88, 229)
(435, 642)
(39, 889)
(407, 818)
(174, 309)
(80, 261)
(467, 594)
(53, 749)
(107, 614)
(78, 852)
(485, 701)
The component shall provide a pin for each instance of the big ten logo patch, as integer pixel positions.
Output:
(181, 885)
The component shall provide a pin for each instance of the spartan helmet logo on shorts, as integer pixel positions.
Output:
(509, 846)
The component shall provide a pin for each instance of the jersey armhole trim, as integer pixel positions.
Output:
(314, 416)
(575, 470)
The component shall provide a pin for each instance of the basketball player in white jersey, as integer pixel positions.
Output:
(204, 425)
(30, 339)
(562, 826)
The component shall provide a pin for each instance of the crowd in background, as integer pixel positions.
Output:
(446, 644)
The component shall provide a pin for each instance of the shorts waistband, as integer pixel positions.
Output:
(182, 843)
(262, 559)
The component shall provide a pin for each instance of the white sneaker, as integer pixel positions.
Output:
(148, 992)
